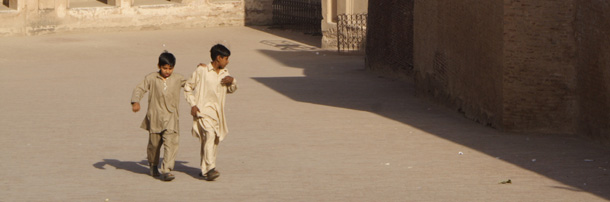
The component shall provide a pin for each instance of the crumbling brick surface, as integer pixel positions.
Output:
(593, 72)
(516, 65)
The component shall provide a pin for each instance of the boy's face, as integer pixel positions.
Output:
(222, 61)
(166, 70)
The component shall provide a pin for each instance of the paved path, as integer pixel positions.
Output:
(305, 125)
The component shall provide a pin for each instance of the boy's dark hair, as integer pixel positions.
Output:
(219, 49)
(167, 58)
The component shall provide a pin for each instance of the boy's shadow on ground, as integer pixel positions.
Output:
(142, 166)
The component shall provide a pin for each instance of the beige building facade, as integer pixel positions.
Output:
(330, 10)
(34, 17)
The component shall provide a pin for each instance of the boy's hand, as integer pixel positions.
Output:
(227, 81)
(135, 107)
(194, 111)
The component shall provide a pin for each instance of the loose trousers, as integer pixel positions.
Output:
(209, 143)
(169, 141)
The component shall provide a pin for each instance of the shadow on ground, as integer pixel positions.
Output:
(141, 167)
(292, 35)
(340, 81)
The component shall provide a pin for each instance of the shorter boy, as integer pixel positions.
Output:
(161, 119)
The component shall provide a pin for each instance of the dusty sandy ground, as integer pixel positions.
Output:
(305, 125)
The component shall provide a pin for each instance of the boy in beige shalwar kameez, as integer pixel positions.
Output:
(206, 91)
(161, 119)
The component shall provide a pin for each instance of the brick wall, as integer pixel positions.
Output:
(593, 73)
(517, 65)
(390, 37)
(539, 73)
(458, 55)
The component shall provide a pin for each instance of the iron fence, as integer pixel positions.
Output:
(351, 32)
(303, 15)
(390, 36)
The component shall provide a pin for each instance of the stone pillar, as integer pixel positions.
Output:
(330, 10)
(60, 7)
(329, 24)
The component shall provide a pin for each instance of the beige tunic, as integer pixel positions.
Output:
(163, 101)
(204, 90)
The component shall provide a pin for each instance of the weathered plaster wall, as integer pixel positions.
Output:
(259, 12)
(47, 16)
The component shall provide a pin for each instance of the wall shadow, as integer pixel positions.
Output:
(141, 167)
(339, 80)
(293, 35)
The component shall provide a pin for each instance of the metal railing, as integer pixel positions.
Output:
(303, 15)
(351, 32)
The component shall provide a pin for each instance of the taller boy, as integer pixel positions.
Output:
(206, 91)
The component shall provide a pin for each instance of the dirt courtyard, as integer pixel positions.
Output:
(305, 125)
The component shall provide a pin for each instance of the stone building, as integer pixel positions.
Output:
(330, 10)
(524, 66)
(32, 17)
(516, 65)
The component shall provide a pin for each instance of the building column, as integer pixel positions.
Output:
(61, 7)
(329, 24)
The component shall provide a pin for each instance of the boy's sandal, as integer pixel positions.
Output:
(210, 175)
(167, 177)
